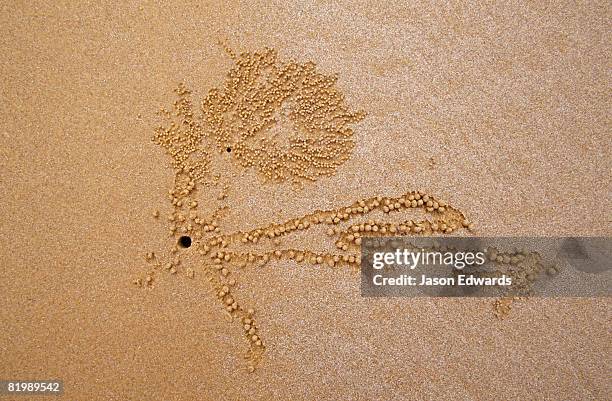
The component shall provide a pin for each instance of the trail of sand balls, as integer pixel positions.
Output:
(219, 262)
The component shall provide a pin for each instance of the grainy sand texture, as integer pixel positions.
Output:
(273, 136)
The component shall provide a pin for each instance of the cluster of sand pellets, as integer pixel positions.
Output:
(284, 119)
(289, 122)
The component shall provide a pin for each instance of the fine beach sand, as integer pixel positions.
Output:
(501, 110)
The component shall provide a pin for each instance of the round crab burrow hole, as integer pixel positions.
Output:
(184, 241)
(228, 149)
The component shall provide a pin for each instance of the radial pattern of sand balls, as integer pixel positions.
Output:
(283, 118)
(289, 122)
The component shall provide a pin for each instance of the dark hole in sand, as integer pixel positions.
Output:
(184, 241)
(229, 150)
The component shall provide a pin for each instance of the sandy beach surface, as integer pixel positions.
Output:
(502, 110)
